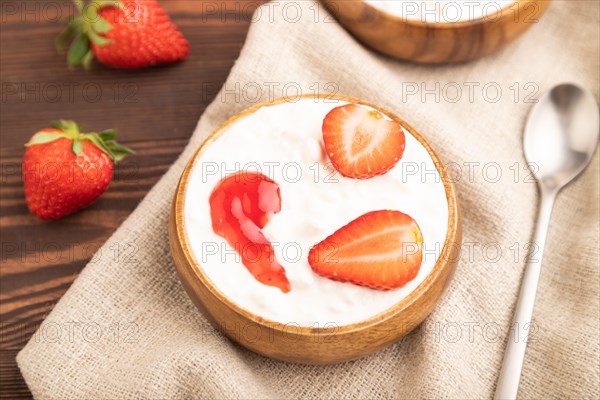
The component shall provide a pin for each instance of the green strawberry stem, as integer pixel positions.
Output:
(105, 140)
(85, 28)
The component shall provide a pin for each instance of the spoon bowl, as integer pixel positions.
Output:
(561, 135)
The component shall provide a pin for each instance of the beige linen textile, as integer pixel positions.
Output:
(166, 349)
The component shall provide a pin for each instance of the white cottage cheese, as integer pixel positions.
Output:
(284, 142)
(442, 10)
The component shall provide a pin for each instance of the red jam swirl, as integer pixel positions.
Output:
(240, 206)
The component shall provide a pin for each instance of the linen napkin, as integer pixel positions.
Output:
(126, 328)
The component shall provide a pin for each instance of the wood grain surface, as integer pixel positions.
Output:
(155, 112)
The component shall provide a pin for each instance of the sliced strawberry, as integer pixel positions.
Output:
(360, 142)
(380, 249)
(240, 206)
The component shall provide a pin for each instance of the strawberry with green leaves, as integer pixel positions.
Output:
(123, 34)
(65, 170)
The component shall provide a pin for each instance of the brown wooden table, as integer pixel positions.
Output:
(155, 111)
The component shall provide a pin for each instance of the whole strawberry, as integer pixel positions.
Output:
(123, 34)
(65, 170)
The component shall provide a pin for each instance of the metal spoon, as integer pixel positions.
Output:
(560, 138)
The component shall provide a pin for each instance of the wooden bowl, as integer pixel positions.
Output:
(305, 344)
(435, 42)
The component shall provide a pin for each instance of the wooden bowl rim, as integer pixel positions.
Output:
(447, 25)
(444, 260)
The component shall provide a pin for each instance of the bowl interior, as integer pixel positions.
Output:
(216, 289)
(480, 12)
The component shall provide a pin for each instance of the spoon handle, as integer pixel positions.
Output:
(510, 374)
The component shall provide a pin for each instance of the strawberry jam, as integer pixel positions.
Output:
(240, 206)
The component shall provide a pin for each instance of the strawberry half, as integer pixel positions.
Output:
(360, 142)
(380, 249)
(123, 34)
(65, 170)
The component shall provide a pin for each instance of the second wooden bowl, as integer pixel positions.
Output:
(435, 42)
(307, 344)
